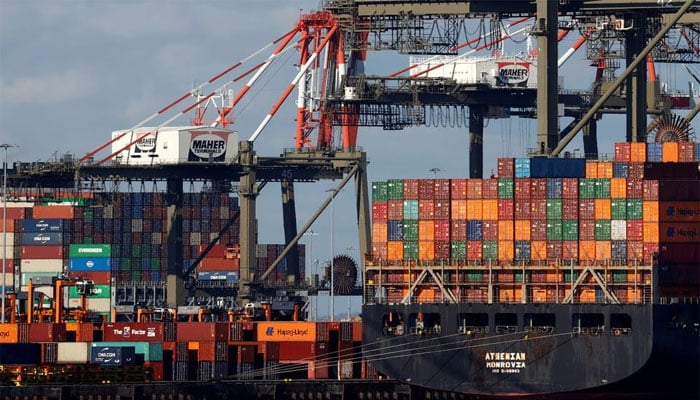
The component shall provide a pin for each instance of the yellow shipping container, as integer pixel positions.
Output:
(490, 210)
(650, 211)
(602, 209)
(522, 229)
(475, 209)
(426, 230)
(459, 209)
(618, 188)
(505, 230)
(426, 250)
(651, 232)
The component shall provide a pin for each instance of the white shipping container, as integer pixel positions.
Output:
(175, 145)
(506, 71)
(10, 240)
(93, 304)
(9, 279)
(41, 265)
(618, 229)
(73, 352)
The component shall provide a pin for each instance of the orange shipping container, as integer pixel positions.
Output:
(669, 152)
(394, 250)
(475, 210)
(591, 169)
(9, 224)
(8, 333)
(587, 296)
(638, 152)
(510, 294)
(505, 250)
(277, 331)
(426, 230)
(379, 232)
(426, 250)
(651, 232)
(603, 250)
(459, 209)
(505, 230)
(618, 188)
(538, 250)
(650, 211)
(490, 210)
(602, 209)
(522, 229)
(64, 212)
(605, 169)
(426, 295)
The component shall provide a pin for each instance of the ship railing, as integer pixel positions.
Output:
(502, 329)
(621, 331)
(543, 329)
(589, 330)
(679, 300)
(472, 330)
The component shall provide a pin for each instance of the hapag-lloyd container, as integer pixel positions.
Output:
(171, 145)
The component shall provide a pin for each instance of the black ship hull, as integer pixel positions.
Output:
(536, 349)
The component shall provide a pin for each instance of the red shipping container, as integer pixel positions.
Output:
(489, 230)
(134, 332)
(569, 188)
(380, 251)
(635, 229)
(426, 189)
(47, 332)
(681, 190)
(380, 211)
(586, 209)
(9, 266)
(538, 188)
(156, 368)
(679, 232)
(586, 229)
(679, 211)
(9, 224)
(522, 188)
(443, 250)
(442, 209)
(570, 250)
(458, 230)
(394, 209)
(13, 213)
(623, 151)
(635, 188)
(202, 331)
(296, 351)
(686, 151)
(475, 189)
(441, 230)
(442, 189)
(219, 264)
(539, 208)
(490, 189)
(410, 189)
(60, 212)
(650, 190)
(570, 208)
(99, 277)
(505, 209)
(426, 209)
(635, 250)
(474, 249)
(523, 209)
(649, 250)
(506, 167)
(538, 229)
(217, 251)
(458, 189)
(41, 252)
(554, 249)
(635, 170)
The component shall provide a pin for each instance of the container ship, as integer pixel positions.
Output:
(557, 275)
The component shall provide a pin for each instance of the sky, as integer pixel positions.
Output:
(73, 71)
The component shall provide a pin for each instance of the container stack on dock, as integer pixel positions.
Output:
(528, 233)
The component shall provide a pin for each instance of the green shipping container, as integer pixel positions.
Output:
(567, 276)
(90, 250)
(554, 207)
(586, 188)
(618, 208)
(379, 191)
(619, 276)
(570, 229)
(458, 250)
(505, 188)
(602, 229)
(490, 250)
(475, 276)
(635, 209)
(554, 229)
(410, 209)
(98, 292)
(602, 188)
(394, 189)
(410, 250)
(410, 229)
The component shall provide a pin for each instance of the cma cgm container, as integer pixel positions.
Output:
(174, 145)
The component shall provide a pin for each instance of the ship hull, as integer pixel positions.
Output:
(652, 349)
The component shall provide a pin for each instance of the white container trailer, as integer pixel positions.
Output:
(174, 145)
(505, 71)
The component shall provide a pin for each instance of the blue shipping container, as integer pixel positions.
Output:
(554, 188)
(42, 238)
(395, 229)
(474, 230)
(522, 167)
(654, 152)
(42, 225)
(90, 264)
(620, 170)
(541, 167)
(113, 355)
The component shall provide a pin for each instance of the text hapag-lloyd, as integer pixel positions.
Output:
(292, 332)
(150, 332)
